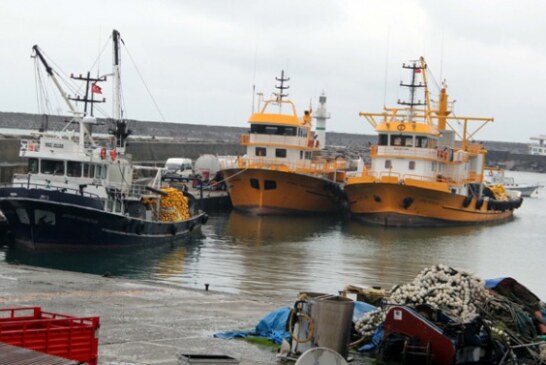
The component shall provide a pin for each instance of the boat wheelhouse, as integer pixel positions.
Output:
(419, 174)
(282, 171)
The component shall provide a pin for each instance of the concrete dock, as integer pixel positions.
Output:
(142, 323)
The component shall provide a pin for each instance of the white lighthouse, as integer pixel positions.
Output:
(321, 115)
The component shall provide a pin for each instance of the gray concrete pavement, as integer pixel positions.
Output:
(144, 322)
(141, 323)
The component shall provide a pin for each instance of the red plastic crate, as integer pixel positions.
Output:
(74, 338)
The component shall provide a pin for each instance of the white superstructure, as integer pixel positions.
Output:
(538, 148)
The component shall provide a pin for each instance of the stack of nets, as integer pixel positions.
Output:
(458, 293)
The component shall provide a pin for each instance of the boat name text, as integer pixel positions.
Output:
(54, 145)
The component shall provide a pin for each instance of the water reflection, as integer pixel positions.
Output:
(139, 263)
(255, 255)
(263, 230)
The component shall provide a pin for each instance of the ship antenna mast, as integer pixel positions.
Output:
(90, 84)
(416, 68)
(279, 95)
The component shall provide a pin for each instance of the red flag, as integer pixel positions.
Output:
(417, 70)
(96, 89)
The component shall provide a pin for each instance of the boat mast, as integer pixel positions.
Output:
(120, 131)
(413, 86)
(117, 79)
(279, 95)
(51, 74)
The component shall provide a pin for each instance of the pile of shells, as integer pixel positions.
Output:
(458, 293)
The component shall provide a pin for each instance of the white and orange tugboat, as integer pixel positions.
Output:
(282, 172)
(419, 174)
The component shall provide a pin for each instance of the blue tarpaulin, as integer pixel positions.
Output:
(274, 325)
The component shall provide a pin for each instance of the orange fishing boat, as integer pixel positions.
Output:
(282, 171)
(419, 174)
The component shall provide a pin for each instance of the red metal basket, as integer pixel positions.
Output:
(74, 338)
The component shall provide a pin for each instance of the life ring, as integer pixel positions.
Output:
(102, 153)
(401, 127)
(113, 154)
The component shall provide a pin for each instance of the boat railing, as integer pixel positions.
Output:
(129, 191)
(406, 152)
(271, 139)
(283, 165)
(50, 187)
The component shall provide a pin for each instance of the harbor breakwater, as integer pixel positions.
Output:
(154, 142)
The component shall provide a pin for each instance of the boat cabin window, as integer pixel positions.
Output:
(273, 129)
(74, 168)
(52, 167)
(88, 170)
(33, 165)
(261, 152)
(401, 140)
(305, 155)
(280, 152)
(383, 140)
(388, 164)
(100, 171)
(412, 165)
(421, 142)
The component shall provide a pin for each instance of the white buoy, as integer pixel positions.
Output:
(321, 115)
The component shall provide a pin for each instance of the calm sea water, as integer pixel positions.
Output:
(280, 256)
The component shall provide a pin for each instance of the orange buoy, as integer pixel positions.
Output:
(102, 153)
(113, 154)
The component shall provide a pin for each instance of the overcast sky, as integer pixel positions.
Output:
(200, 59)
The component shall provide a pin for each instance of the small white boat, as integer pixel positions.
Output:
(496, 176)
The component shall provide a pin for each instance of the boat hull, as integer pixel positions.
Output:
(271, 192)
(526, 191)
(400, 205)
(44, 224)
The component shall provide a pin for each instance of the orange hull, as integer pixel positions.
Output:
(401, 205)
(270, 192)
